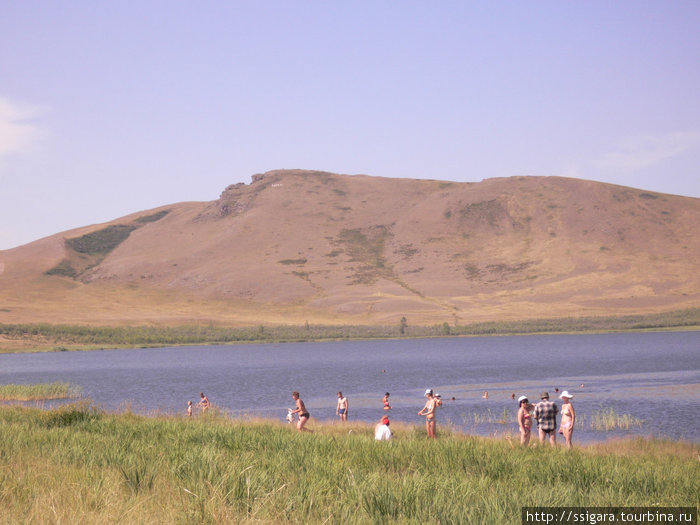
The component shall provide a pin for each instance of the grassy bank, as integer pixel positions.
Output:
(26, 337)
(40, 391)
(79, 465)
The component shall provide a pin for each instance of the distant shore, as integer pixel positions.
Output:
(44, 337)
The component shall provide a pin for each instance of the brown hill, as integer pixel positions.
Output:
(298, 245)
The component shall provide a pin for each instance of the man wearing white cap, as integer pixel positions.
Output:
(429, 412)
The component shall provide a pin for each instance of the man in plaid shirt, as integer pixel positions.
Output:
(546, 416)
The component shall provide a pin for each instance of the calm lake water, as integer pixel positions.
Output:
(654, 377)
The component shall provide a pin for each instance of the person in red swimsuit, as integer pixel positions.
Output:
(524, 420)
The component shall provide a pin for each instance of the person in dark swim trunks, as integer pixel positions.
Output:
(341, 408)
(546, 417)
(301, 410)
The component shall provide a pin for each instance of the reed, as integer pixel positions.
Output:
(479, 418)
(94, 467)
(40, 391)
(58, 337)
(607, 419)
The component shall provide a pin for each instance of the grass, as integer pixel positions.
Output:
(479, 418)
(40, 391)
(607, 419)
(13, 337)
(79, 465)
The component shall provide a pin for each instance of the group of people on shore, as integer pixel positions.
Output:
(545, 413)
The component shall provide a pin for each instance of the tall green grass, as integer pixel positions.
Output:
(607, 419)
(40, 391)
(79, 465)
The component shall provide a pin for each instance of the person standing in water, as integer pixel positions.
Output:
(568, 418)
(546, 416)
(524, 420)
(203, 402)
(341, 408)
(189, 408)
(429, 412)
(301, 410)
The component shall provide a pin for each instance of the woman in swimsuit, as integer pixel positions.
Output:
(301, 410)
(203, 402)
(568, 418)
(387, 406)
(524, 420)
(429, 412)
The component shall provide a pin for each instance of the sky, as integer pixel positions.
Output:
(110, 108)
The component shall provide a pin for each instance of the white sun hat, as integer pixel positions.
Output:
(565, 394)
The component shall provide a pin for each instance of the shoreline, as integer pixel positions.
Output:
(32, 338)
(448, 430)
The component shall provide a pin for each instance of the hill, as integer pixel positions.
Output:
(295, 246)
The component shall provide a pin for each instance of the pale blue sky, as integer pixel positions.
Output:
(108, 108)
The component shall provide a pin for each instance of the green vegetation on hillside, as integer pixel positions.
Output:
(60, 337)
(90, 249)
(367, 249)
(79, 465)
(153, 217)
(102, 241)
(64, 269)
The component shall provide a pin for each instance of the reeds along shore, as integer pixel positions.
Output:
(77, 464)
(59, 337)
(39, 391)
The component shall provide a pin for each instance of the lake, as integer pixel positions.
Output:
(652, 377)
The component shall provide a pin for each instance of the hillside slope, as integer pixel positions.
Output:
(297, 246)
